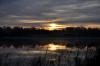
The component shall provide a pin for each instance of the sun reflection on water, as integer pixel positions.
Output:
(53, 47)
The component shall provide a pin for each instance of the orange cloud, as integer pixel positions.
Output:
(40, 21)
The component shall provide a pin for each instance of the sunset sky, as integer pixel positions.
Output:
(42, 12)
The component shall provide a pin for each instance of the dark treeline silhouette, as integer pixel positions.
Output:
(66, 32)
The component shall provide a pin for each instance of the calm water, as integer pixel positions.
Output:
(75, 52)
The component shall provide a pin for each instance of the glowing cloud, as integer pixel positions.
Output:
(41, 21)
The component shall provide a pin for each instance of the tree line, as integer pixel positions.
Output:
(66, 32)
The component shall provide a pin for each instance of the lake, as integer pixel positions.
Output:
(15, 51)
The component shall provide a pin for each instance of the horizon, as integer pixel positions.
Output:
(54, 26)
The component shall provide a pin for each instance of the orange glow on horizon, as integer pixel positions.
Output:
(53, 26)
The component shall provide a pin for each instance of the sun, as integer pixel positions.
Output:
(52, 26)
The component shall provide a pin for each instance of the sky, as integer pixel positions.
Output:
(39, 12)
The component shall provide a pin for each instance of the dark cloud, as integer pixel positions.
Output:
(78, 11)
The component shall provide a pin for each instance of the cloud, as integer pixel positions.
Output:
(73, 11)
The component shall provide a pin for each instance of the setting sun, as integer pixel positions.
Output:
(52, 26)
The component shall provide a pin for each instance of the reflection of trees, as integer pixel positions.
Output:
(96, 60)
